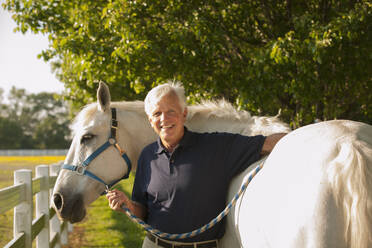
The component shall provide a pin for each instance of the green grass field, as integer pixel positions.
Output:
(102, 227)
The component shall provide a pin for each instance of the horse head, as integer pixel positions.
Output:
(94, 162)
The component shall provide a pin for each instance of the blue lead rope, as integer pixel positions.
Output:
(202, 229)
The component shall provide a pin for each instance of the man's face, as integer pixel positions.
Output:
(167, 119)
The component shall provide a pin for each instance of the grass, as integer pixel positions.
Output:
(102, 227)
(9, 164)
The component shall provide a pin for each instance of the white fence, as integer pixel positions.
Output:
(46, 227)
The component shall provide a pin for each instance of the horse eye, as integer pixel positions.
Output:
(86, 137)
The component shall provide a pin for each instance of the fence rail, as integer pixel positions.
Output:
(46, 227)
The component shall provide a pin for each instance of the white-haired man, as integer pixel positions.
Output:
(182, 179)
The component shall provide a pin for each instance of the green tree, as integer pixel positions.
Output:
(51, 134)
(2, 105)
(34, 121)
(311, 59)
(49, 114)
(1, 96)
(10, 134)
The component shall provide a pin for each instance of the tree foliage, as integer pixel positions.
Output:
(312, 59)
(38, 121)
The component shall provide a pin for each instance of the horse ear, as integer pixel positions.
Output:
(103, 97)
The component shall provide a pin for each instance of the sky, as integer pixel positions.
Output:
(19, 65)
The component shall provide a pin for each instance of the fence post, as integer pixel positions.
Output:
(23, 212)
(42, 205)
(55, 226)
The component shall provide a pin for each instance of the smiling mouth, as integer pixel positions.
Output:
(167, 127)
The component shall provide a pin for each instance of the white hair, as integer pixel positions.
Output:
(158, 92)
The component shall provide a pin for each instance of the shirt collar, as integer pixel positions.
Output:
(186, 140)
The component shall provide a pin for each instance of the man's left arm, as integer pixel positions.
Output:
(270, 142)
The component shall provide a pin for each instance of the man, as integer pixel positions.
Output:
(182, 179)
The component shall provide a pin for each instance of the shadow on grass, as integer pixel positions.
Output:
(133, 234)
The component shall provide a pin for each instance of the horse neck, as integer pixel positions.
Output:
(134, 131)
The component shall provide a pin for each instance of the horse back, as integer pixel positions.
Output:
(315, 190)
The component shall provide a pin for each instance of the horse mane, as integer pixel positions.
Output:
(84, 116)
(88, 112)
(220, 109)
(134, 106)
(207, 110)
(241, 121)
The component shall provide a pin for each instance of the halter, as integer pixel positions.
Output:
(82, 168)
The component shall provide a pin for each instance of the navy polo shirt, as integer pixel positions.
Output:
(186, 189)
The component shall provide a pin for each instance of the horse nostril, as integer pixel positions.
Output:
(58, 202)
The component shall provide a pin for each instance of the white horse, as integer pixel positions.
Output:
(315, 189)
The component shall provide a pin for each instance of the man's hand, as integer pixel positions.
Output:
(116, 198)
(270, 142)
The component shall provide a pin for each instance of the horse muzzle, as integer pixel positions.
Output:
(69, 209)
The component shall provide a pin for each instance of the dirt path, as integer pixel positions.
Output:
(76, 238)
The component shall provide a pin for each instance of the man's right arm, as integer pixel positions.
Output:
(270, 142)
(137, 209)
(117, 199)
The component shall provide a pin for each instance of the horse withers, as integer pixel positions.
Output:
(315, 189)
